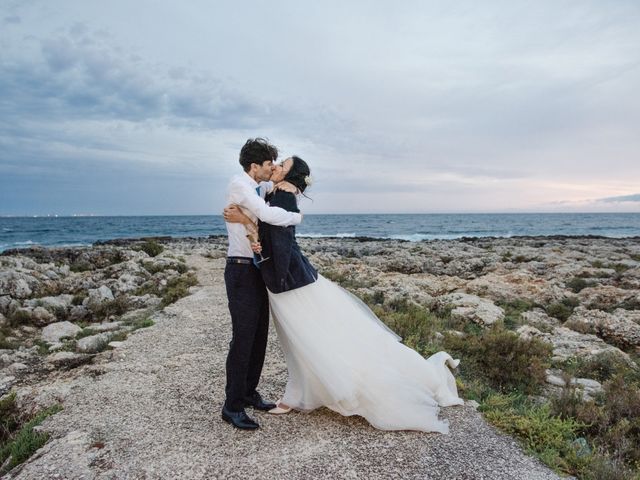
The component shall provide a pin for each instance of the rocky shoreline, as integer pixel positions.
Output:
(65, 310)
(582, 294)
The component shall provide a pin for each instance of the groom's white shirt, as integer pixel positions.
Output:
(242, 191)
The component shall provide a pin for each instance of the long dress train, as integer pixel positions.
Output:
(339, 355)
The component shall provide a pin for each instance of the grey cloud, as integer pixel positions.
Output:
(80, 77)
(623, 198)
(12, 20)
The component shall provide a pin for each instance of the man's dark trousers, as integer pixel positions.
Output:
(249, 308)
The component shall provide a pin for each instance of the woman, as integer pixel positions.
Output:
(338, 354)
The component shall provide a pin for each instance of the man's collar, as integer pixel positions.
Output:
(251, 181)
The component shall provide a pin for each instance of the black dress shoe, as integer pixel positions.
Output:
(239, 419)
(256, 402)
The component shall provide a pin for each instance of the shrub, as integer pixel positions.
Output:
(559, 310)
(178, 288)
(576, 284)
(151, 248)
(24, 442)
(505, 360)
(81, 265)
(6, 344)
(78, 298)
(513, 310)
(542, 433)
(20, 317)
(141, 323)
(601, 367)
(9, 416)
(117, 306)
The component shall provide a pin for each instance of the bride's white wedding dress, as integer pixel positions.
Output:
(339, 355)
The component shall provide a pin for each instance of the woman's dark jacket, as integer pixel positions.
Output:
(287, 268)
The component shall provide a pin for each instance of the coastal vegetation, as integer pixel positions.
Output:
(507, 366)
(19, 438)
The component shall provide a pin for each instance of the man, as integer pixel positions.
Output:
(246, 292)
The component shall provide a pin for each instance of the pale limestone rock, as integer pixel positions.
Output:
(471, 308)
(568, 343)
(93, 343)
(539, 319)
(618, 328)
(604, 296)
(68, 359)
(104, 327)
(51, 303)
(98, 296)
(56, 331)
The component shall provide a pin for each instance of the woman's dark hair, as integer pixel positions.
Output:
(257, 150)
(297, 174)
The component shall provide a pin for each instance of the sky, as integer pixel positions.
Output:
(141, 108)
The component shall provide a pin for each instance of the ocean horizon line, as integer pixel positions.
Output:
(309, 214)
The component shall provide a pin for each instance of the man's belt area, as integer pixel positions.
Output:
(242, 260)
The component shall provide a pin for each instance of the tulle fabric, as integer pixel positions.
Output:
(339, 355)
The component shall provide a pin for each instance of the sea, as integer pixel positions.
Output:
(21, 232)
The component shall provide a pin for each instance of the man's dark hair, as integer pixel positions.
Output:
(298, 173)
(257, 150)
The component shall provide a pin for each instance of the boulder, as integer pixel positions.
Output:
(104, 327)
(68, 359)
(539, 319)
(98, 296)
(17, 284)
(60, 302)
(517, 285)
(568, 343)
(619, 328)
(78, 313)
(472, 308)
(54, 332)
(604, 297)
(41, 316)
(93, 343)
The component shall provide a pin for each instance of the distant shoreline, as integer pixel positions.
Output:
(336, 214)
(125, 241)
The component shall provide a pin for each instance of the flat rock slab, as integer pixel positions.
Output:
(153, 412)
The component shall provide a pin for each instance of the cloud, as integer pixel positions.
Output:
(623, 198)
(80, 76)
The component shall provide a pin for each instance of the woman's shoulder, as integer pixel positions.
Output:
(286, 200)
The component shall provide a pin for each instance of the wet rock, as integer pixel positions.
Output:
(56, 331)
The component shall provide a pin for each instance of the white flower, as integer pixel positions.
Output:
(308, 180)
